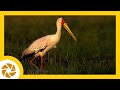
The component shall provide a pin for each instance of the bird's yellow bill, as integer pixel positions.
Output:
(68, 29)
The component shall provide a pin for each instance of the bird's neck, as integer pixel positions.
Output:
(58, 32)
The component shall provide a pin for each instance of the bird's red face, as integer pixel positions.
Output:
(63, 21)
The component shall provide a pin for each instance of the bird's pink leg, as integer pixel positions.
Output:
(43, 60)
(32, 63)
(41, 65)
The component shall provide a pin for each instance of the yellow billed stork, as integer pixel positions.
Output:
(46, 43)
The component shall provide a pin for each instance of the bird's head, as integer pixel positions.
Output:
(62, 22)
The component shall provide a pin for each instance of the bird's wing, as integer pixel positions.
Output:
(40, 43)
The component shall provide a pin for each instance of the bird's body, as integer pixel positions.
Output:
(41, 44)
(47, 42)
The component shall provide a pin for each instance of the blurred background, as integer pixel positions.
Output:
(93, 53)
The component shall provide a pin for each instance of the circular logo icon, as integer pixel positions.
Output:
(9, 70)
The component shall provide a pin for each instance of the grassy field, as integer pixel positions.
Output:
(93, 53)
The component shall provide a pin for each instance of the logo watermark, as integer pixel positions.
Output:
(9, 70)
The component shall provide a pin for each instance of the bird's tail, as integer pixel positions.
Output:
(23, 53)
(26, 53)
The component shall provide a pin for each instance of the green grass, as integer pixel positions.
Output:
(93, 53)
